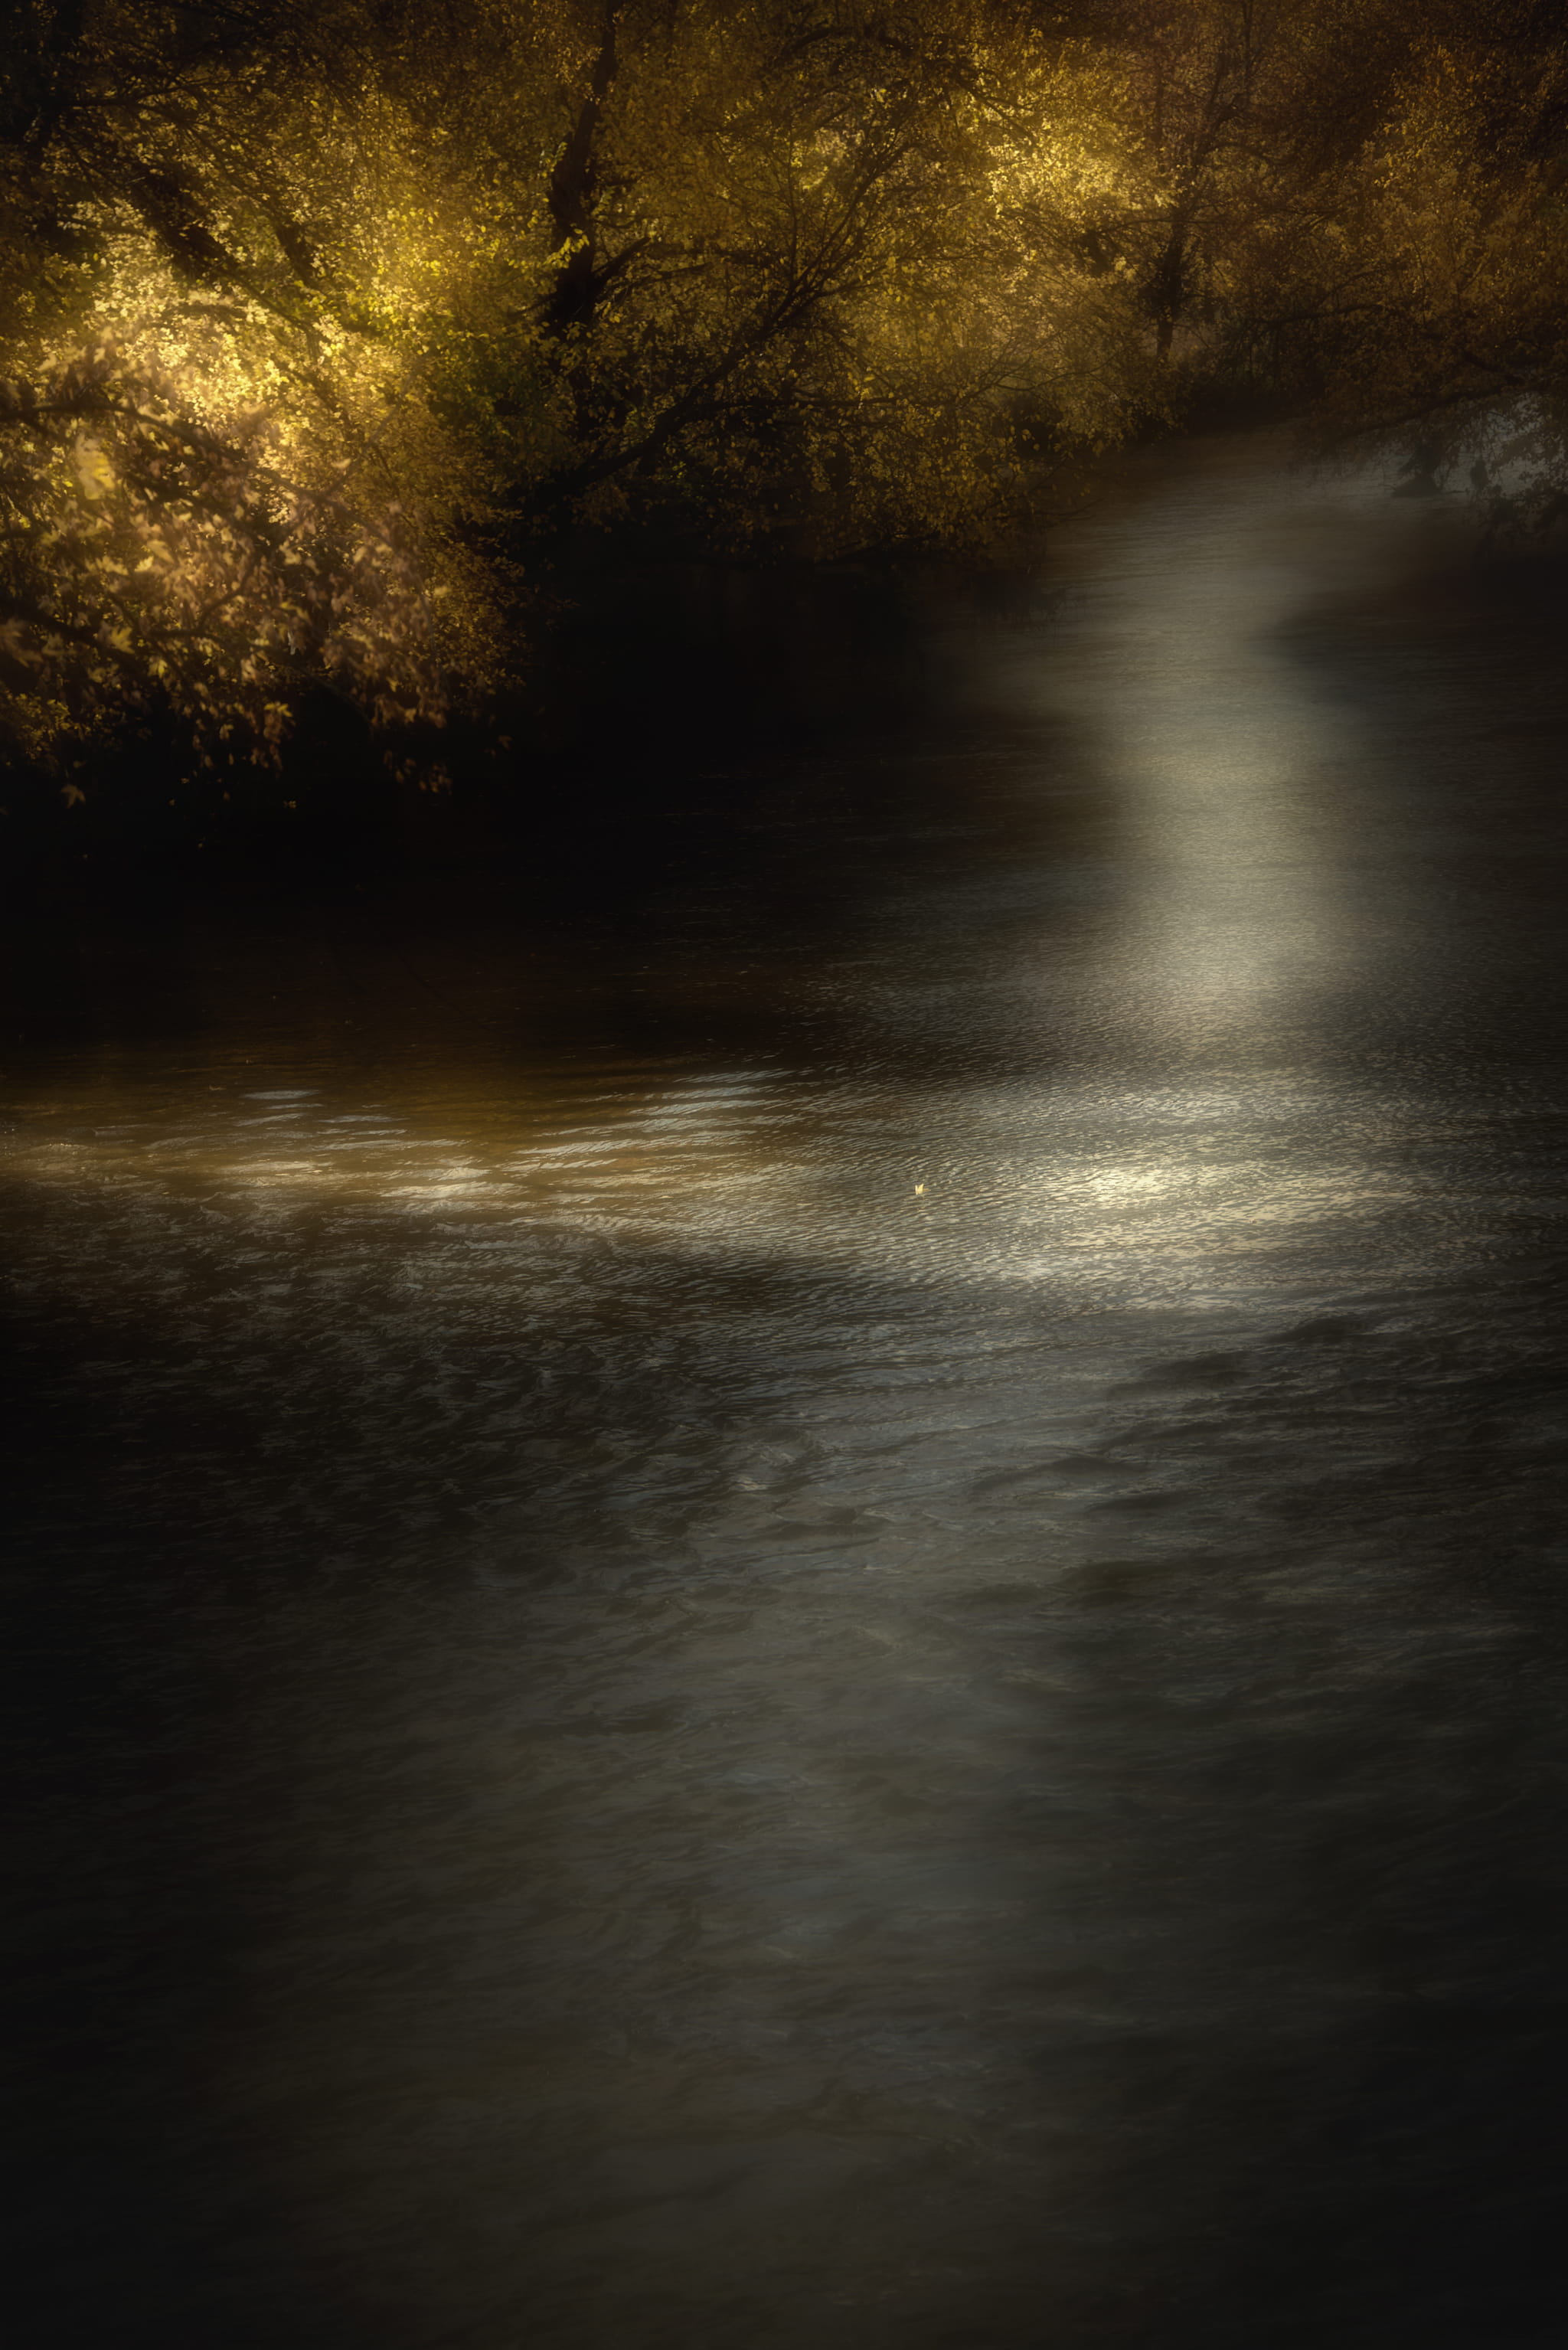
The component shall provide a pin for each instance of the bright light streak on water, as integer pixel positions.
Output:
(835, 1625)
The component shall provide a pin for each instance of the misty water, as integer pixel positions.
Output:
(824, 1609)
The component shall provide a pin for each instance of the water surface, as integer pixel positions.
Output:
(825, 1611)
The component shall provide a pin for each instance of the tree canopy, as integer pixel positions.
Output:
(329, 324)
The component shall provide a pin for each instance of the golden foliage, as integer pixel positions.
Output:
(328, 339)
(326, 328)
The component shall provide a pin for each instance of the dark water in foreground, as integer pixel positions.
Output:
(640, 1734)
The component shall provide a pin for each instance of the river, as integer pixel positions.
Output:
(827, 1612)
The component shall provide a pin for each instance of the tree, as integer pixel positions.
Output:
(332, 330)
(1362, 206)
(314, 369)
(806, 269)
(220, 484)
(1453, 223)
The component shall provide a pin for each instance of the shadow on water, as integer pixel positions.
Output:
(640, 1733)
(743, 922)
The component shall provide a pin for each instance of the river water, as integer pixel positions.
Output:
(827, 1612)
